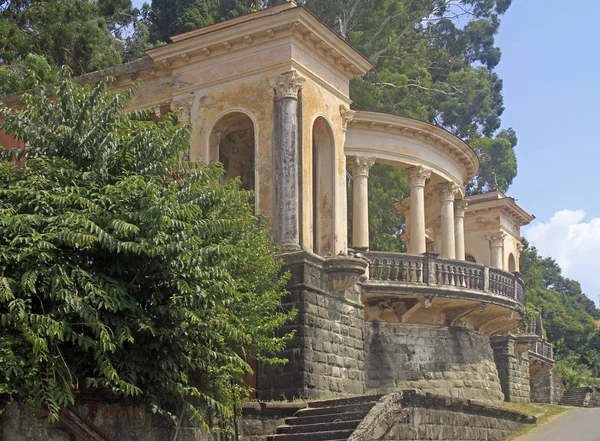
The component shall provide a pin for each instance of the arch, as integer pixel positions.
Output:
(323, 175)
(232, 142)
(470, 258)
(512, 264)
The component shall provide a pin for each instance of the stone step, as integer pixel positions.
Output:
(320, 427)
(331, 435)
(309, 411)
(334, 417)
(345, 401)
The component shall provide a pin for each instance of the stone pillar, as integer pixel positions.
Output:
(359, 166)
(416, 177)
(286, 159)
(513, 369)
(497, 240)
(447, 191)
(459, 228)
(182, 107)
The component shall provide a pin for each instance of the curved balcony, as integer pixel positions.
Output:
(462, 293)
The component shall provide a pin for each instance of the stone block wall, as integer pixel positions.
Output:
(594, 400)
(414, 416)
(259, 420)
(455, 362)
(326, 357)
(545, 384)
(513, 369)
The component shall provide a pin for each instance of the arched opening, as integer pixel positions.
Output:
(470, 258)
(322, 187)
(512, 265)
(232, 144)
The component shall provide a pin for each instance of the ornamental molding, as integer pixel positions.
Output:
(347, 116)
(447, 190)
(182, 107)
(287, 85)
(360, 165)
(417, 176)
(497, 239)
(460, 207)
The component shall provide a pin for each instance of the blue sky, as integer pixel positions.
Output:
(550, 67)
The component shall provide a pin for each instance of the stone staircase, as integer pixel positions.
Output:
(331, 420)
(575, 396)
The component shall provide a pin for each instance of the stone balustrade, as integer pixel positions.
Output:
(543, 349)
(430, 271)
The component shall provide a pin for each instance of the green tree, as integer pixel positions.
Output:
(171, 17)
(125, 270)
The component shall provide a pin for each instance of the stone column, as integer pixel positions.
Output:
(286, 158)
(359, 166)
(447, 190)
(459, 228)
(497, 240)
(416, 177)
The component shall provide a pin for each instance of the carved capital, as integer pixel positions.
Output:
(447, 190)
(520, 247)
(460, 207)
(416, 176)
(287, 84)
(347, 116)
(182, 107)
(360, 165)
(496, 239)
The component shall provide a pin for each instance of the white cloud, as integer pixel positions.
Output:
(574, 243)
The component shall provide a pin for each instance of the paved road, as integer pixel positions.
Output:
(574, 425)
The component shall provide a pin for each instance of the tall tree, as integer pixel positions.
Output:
(124, 270)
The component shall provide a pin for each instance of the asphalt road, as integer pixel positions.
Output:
(574, 425)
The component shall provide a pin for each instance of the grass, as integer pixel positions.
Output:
(544, 412)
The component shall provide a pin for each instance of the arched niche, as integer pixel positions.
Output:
(470, 258)
(512, 264)
(323, 172)
(232, 143)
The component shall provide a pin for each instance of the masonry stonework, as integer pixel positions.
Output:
(449, 361)
(513, 369)
(327, 353)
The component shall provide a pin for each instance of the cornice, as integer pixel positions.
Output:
(435, 136)
(506, 205)
(274, 24)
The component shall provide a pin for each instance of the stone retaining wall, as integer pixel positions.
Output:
(448, 361)
(414, 416)
(594, 400)
(259, 420)
(513, 369)
(327, 353)
(545, 384)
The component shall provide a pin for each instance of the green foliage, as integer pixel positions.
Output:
(124, 270)
(574, 373)
(171, 17)
(568, 314)
(24, 75)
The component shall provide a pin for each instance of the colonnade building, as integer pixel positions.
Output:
(267, 95)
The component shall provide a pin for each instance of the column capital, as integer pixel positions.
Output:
(496, 238)
(360, 165)
(459, 208)
(520, 247)
(182, 107)
(287, 84)
(447, 190)
(416, 176)
(347, 116)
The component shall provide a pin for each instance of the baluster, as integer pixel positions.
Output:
(461, 277)
(393, 270)
(376, 271)
(439, 274)
(404, 271)
(385, 274)
(419, 265)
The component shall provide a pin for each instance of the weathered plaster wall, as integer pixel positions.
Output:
(513, 369)
(326, 355)
(448, 361)
(414, 416)
(319, 101)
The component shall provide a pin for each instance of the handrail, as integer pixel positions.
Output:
(429, 269)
